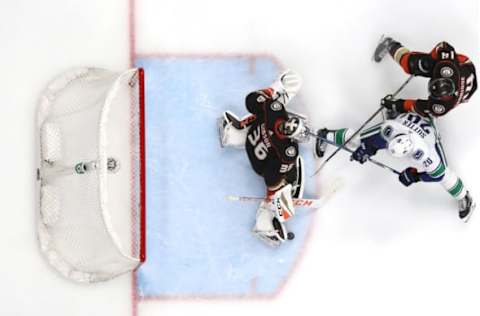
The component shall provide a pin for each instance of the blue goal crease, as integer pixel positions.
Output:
(199, 243)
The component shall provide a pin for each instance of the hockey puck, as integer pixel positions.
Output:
(290, 236)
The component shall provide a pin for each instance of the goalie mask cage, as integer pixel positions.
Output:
(91, 173)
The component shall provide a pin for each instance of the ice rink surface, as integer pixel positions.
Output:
(199, 243)
(376, 248)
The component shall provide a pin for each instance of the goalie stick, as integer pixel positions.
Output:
(307, 203)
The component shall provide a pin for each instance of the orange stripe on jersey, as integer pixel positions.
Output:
(286, 215)
(434, 53)
(404, 62)
(409, 105)
(462, 58)
(268, 91)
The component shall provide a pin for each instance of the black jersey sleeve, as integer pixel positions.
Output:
(437, 107)
(468, 85)
(255, 101)
(425, 107)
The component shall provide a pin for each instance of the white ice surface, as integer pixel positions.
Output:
(377, 249)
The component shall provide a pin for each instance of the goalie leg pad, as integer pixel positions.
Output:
(282, 203)
(230, 135)
(268, 228)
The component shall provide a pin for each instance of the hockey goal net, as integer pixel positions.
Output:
(91, 173)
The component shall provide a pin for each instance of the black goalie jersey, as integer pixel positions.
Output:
(271, 154)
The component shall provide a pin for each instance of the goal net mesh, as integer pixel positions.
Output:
(91, 173)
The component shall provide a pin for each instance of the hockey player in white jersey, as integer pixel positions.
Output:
(270, 136)
(408, 136)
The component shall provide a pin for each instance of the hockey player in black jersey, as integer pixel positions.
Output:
(452, 77)
(270, 137)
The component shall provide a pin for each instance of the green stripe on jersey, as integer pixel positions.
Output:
(442, 153)
(457, 188)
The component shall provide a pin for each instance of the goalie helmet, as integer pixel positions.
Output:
(401, 145)
(294, 128)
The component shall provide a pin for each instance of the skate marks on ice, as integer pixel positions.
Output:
(199, 243)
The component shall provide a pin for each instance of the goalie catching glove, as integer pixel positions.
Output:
(287, 85)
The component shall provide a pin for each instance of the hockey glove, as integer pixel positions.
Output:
(288, 82)
(409, 176)
(361, 154)
(390, 103)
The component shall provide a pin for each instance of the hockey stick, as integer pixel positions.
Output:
(340, 147)
(307, 203)
(363, 125)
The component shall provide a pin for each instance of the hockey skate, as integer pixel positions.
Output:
(382, 48)
(321, 144)
(466, 207)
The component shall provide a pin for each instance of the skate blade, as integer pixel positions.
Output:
(467, 218)
(379, 41)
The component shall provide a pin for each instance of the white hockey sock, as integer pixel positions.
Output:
(453, 185)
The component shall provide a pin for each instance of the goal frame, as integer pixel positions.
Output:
(56, 86)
